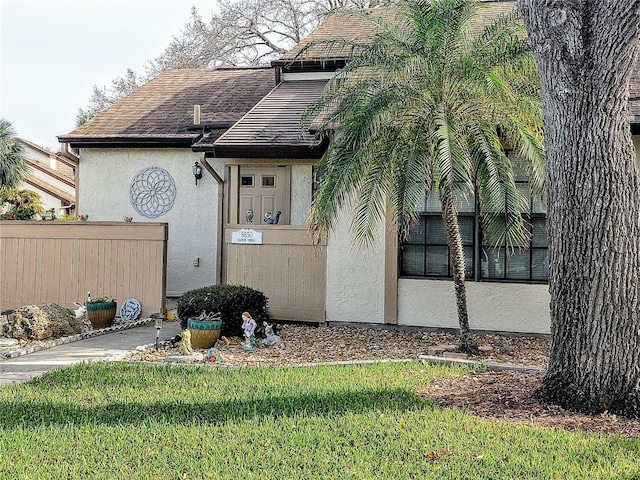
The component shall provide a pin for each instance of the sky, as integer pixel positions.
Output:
(52, 53)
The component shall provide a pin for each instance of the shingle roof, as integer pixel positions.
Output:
(161, 111)
(351, 26)
(272, 128)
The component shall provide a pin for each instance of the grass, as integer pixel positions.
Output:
(135, 421)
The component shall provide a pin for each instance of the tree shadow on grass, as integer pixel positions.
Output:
(31, 413)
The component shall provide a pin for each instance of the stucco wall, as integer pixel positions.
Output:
(105, 176)
(301, 179)
(355, 278)
(507, 307)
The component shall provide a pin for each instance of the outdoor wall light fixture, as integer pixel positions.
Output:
(197, 171)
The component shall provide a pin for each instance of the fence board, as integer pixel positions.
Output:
(59, 262)
(287, 267)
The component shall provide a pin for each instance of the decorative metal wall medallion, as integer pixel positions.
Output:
(152, 192)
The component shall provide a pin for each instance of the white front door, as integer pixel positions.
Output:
(263, 192)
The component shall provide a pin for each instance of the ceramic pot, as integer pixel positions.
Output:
(204, 333)
(101, 315)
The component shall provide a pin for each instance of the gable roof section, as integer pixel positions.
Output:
(349, 26)
(272, 129)
(353, 27)
(160, 113)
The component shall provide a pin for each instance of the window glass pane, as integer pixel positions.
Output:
(413, 260)
(466, 203)
(435, 230)
(466, 229)
(519, 173)
(433, 202)
(539, 264)
(468, 261)
(246, 180)
(539, 237)
(268, 181)
(523, 188)
(492, 263)
(538, 206)
(416, 233)
(518, 265)
(437, 260)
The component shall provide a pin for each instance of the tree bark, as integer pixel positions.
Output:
(467, 343)
(586, 50)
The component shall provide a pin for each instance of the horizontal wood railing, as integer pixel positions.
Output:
(59, 262)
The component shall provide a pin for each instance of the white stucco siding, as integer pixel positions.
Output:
(48, 201)
(301, 192)
(105, 177)
(355, 277)
(506, 307)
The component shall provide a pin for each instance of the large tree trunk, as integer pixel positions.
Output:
(467, 343)
(586, 50)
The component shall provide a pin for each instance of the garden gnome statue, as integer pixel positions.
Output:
(249, 327)
(185, 343)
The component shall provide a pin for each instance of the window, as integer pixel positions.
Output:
(529, 264)
(268, 180)
(246, 180)
(425, 252)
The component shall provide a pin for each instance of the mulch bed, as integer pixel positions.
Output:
(506, 396)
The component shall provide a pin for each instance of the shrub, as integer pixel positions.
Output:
(230, 301)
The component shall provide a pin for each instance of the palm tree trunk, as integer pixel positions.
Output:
(466, 344)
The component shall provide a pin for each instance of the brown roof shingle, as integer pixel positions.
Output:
(353, 27)
(162, 109)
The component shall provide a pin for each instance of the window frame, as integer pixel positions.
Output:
(478, 248)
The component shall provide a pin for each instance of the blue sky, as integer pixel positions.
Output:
(52, 53)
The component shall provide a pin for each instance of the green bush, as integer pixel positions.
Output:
(230, 301)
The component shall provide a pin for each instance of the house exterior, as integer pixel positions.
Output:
(137, 159)
(52, 176)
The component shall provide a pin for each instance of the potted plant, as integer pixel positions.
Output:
(205, 329)
(101, 311)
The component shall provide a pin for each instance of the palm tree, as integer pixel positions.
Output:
(22, 204)
(13, 168)
(429, 104)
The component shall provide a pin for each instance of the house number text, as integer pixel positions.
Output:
(246, 235)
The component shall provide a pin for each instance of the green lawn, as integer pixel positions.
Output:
(130, 421)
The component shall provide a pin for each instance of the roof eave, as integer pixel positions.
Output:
(311, 152)
(128, 142)
(310, 64)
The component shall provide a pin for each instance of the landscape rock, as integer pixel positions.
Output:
(44, 322)
(194, 357)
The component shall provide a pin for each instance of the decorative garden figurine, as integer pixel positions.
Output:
(271, 340)
(214, 356)
(185, 343)
(249, 327)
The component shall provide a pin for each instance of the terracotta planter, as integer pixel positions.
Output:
(101, 315)
(204, 333)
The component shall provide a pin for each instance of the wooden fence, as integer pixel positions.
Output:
(59, 262)
(287, 267)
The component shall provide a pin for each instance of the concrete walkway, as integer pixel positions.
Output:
(110, 346)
